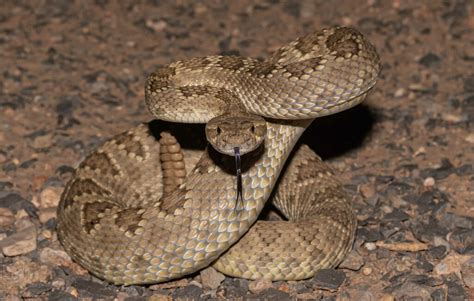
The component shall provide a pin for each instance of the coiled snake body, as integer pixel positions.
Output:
(132, 213)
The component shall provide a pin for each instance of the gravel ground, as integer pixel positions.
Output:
(72, 75)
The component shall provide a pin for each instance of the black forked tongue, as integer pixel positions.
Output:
(238, 173)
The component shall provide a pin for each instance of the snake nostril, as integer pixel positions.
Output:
(219, 130)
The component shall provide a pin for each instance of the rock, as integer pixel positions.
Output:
(43, 141)
(170, 284)
(22, 221)
(462, 241)
(156, 26)
(272, 294)
(470, 138)
(411, 291)
(6, 217)
(370, 246)
(430, 60)
(46, 214)
(47, 234)
(37, 289)
(400, 92)
(386, 297)
(310, 296)
(403, 246)
(210, 278)
(451, 264)
(456, 291)
(57, 295)
(443, 171)
(58, 283)
(159, 297)
(396, 215)
(19, 243)
(429, 182)
(54, 257)
(439, 241)
(259, 285)
(467, 272)
(439, 295)
(367, 190)
(329, 279)
(283, 287)
(190, 292)
(360, 294)
(14, 202)
(369, 235)
(21, 273)
(233, 288)
(437, 252)
(94, 290)
(352, 262)
(5, 185)
(50, 197)
(469, 83)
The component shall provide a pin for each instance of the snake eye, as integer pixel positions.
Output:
(252, 129)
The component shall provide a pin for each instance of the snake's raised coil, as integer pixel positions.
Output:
(141, 209)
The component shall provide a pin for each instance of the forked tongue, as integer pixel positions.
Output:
(238, 173)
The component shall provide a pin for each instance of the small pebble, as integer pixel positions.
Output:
(210, 278)
(399, 93)
(156, 26)
(352, 262)
(451, 264)
(6, 217)
(366, 271)
(367, 190)
(259, 285)
(420, 151)
(467, 272)
(73, 291)
(387, 298)
(19, 243)
(284, 287)
(159, 297)
(55, 257)
(23, 223)
(46, 214)
(386, 209)
(429, 182)
(470, 138)
(170, 284)
(58, 283)
(50, 197)
(44, 141)
(46, 234)
(329, 279)
(439, 241)
(370, 246)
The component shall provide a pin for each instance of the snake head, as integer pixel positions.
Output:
(230, 131)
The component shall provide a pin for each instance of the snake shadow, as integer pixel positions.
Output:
(334, 135)
(330, 136)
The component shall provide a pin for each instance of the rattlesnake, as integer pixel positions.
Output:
(122, 219)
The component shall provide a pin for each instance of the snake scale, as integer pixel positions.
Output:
(142, 209)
